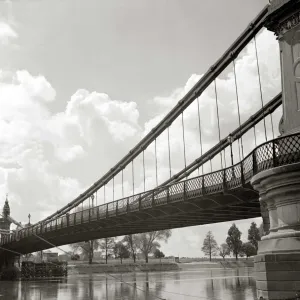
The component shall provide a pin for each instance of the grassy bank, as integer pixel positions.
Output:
(84, 268)
(155, 265)
(227, 264)
(238, 264)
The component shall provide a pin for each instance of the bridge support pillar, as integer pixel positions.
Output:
(277, 264)
(8, 270)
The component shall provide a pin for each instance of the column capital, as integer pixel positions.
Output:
(283, 15)
(284, 20)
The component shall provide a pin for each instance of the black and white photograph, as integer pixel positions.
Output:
(149, 150)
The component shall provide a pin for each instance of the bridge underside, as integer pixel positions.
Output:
(236, 204)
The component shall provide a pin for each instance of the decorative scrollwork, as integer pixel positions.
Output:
(287, 24)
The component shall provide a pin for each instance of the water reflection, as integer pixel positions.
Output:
(214, 284)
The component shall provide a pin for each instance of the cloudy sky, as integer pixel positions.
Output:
(81, 82)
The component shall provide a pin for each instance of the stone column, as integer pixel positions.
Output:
(284, 20)
(277, 264)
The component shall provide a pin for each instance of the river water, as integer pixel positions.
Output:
(205, 284)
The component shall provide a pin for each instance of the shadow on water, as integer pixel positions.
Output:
(214, 284)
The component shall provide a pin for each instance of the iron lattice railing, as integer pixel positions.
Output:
(278, 152)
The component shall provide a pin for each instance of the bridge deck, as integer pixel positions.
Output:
(224, 195)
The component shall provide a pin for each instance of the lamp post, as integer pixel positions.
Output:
(230, 141)
(29, 216)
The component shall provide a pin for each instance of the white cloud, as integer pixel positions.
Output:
(6, 33)
(42, 153)
(36, 86)
(120, 118)
(69, 154)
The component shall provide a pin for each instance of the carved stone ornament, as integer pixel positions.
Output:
(287, 24)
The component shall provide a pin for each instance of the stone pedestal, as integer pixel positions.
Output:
(277, 275)
(277, 264)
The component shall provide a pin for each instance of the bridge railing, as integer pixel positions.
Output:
(278, 152)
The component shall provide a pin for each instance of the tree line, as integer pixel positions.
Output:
(132, 244)
(233, 244)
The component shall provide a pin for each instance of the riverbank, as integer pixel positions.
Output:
(95, 268)
(121, 268)
(216, 265)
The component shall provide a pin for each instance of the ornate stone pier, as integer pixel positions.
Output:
(277, 264)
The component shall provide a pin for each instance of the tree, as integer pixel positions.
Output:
(148, 242)
(75, 257)
(210, 246)
(121, 251)
(253, 235)
(86, 248)
(248, 249)
(107, 245)
(130, 241)
(224, 250)
(158, 254)
(233, 240)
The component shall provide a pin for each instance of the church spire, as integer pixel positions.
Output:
(6, 208)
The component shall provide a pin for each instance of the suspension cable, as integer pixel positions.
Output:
(170, 169)
(21, 254)
(200, 133)
(218, 118)
(122, 184)
(104, 192)
(183, 138)
(254, 135)
(239, 115)
(113, 188)
(271, 116)
(260, 87)
(144, 171)
(8, 250)
(132, 178)
(156, 176)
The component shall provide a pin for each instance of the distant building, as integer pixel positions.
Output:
(4, 221)
(50, 256)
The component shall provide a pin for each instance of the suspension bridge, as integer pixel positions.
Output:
(189, 198)
(219, 196)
